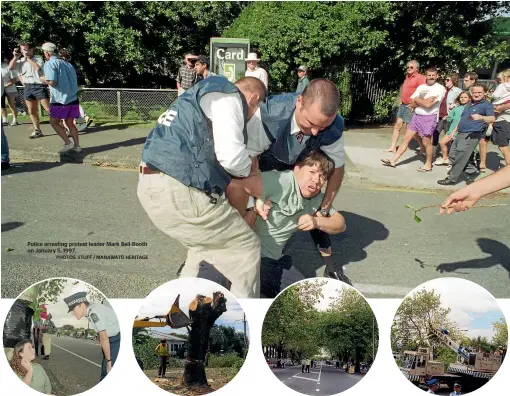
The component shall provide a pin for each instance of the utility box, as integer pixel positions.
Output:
(228, 57)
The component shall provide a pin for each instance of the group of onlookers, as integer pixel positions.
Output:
(466, 116)
(197, 68)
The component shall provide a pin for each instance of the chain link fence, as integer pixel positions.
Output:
(118, 104)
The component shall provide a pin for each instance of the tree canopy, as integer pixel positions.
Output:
(297, 329)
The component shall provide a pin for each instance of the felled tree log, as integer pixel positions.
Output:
(203, 312)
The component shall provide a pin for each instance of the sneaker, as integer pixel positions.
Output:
(339, 275)
(440, 161)
(446, 182)
(36, 134)
(67, 148)
(14, 122)
(78, 149)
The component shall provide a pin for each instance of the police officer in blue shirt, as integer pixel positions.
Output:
(104, 321)
(295, 124)
(456, 390)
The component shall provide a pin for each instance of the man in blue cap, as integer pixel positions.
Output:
(103, 320)
(456, 390)
(433, 386)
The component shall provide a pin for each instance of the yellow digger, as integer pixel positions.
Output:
(175, 318)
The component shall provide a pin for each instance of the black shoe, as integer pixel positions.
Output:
(339, 275)
(5, 165)
(47, 357)
(446, 182)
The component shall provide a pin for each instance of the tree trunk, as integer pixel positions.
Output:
(203, 312)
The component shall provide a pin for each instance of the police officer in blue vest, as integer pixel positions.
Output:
(103, 320)
(188, 160)
(295, 124)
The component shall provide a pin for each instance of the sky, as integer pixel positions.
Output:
(59, 309)
(472, 307)
(159, 301)
(331, 291)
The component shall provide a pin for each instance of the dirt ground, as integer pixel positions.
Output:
(216, 377)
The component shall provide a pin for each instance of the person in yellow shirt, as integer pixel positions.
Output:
(162, 353)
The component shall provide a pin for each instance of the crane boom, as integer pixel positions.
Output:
(444, 337)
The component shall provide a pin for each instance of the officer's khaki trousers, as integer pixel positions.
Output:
(216, 233)
(46, 339)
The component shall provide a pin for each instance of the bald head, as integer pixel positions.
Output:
(254, 92)
(253, 85)
(324, 93)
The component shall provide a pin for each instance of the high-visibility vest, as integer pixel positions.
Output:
(163, 349)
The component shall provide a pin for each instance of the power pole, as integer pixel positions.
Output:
(244, 323)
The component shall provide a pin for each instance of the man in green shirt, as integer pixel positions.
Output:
(303, 81)
(290, 201)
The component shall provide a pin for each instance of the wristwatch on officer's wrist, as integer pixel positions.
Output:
(325, 212)
(108, 360)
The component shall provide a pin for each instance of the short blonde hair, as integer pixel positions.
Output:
(504, 76)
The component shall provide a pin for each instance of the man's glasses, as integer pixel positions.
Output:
(410, 67)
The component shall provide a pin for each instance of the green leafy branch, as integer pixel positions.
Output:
(416, 210)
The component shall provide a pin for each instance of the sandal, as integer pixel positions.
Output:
(422, 169)
(386, 162)
(482, 170)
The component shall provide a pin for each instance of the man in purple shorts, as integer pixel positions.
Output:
(64, 105)
(425, 101)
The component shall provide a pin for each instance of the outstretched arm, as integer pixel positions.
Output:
(466, 197)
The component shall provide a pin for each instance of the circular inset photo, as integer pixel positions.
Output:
(190, 336)
(449, 336)
(320, 337)
(61, 336)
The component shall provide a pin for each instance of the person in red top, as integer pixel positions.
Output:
(413, 80)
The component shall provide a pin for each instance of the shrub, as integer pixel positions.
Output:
(383, 108)
(231, 360)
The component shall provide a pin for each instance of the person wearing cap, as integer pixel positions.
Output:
(202, 67)
(30, 73)
(302, 72)
(456, 390)
(104, 321)
(187, 75)
(433, 386)
(47, 329)
(64, 104)
(162, 353)
(188, 160)
(289, 126)
(253, 69)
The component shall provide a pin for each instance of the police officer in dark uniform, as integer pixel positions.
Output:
(103, 320)
(295, 124)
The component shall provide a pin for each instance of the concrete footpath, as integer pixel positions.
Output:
(120, 145)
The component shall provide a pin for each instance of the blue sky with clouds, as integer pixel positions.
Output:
(472, 307)
(159, 301)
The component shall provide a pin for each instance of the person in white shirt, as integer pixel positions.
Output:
(188, 160)
(425, 101)
(9, 78)
(254, 70)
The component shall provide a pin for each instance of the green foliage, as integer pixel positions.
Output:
(415, 317)
(445, 355)
(227, 360)
(226, 339)
(500, 338)
(140, 336)
(145, 352)
(384, 107)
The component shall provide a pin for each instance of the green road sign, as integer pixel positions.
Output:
(228, 57)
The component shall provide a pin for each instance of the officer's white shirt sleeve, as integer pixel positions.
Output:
(336, 152)
(97, 319)
(258, 141)
(227, 117)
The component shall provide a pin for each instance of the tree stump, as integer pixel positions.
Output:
(203, 312)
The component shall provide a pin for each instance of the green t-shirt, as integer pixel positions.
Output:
(454, 118)
(40, 381)
(288, 206)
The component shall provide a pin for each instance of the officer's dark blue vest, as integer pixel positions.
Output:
(276, 113)
(182, 146)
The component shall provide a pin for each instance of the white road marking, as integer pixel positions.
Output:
(320, 371)
(81, 357)
(309, 379)
(317, 390)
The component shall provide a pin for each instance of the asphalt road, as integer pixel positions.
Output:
(384, 252)
(322, 380)
(74, 365)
